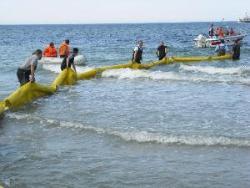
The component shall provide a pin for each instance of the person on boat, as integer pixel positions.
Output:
(231, 32)
(26, 72)
(161, 51)
(221, 33)
(221, 49)
(68, 61)
(50, 51)
(217, 32)
(211, 31)
(64, 49)
(236, 50)
(137, 53)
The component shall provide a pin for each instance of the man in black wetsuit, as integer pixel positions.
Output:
(161, 51)
(236, 50)
(67, 62)
(137, 53)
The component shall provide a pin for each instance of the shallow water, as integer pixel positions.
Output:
(182, 125)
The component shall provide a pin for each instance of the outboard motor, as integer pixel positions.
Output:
(201, 41)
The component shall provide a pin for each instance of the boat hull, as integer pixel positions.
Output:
(78, 60)
(211, 42)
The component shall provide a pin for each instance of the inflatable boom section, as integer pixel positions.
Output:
(92, 73)
(2, 108)
(26, 94)
(66, 77)
(201, 58)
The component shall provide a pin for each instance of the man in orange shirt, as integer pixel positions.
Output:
(50, 51)
(64, 49)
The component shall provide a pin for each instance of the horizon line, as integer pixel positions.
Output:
(114, 23)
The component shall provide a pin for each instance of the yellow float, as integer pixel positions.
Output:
(201, 58)
(26, 94)
(66, 77)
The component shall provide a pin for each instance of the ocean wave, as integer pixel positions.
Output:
(216, 70)
(171, 76)
(192, 140)
(139, 136)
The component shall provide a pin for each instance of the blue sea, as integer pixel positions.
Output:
(178, 125)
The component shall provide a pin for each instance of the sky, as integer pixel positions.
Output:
(119, 11)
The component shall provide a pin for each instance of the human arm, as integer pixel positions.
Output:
(157, 53)
(32, 74)
(166, 49)
(227, 49)
(67, 62)
(74, 67)
(217, 48)
(45, 51)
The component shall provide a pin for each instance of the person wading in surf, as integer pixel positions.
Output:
(221, 49)
(161, 51)
(68, 61)
(236, 50)
(137, 53)
(26, 72)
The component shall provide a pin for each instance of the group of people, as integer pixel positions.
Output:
(220, 32)
(161, 52)
(64, 50)
(26, 72)
(221, 49)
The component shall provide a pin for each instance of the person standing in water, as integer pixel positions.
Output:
(221, 49)
(236, 50)
(67, 62)
(137, 53)
(26, 72)
(161, 51)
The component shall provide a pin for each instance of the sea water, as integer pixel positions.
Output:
(178, 125)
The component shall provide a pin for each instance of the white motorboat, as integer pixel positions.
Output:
(246, 19)
(78, 60)
(203, 41)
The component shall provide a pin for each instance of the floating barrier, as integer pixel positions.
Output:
(201, 58)
(26, 94)
(32, 91)
(2, 108)
(92, 73)
(66, 77)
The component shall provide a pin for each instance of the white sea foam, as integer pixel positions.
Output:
(144, 137)
(57, 68)
(215, 70)
(134, 74)
(172, 76)
(140, 136)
